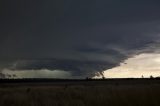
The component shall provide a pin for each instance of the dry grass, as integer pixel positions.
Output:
(80, 95)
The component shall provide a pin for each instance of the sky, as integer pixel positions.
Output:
(143, 65)
(78, 38)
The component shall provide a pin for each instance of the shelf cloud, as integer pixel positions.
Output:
(80, 37)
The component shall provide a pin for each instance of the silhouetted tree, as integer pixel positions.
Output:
(103, 77)
(151, 76)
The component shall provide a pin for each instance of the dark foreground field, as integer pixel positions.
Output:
(117, 92)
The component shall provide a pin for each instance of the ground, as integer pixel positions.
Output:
(116, 92)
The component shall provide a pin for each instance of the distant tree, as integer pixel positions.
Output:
(14, 75)
(151, 76)
(103, 77)
(88, 78)
(2, 76)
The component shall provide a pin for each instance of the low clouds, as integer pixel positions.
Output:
(79, 69)
(42, 73)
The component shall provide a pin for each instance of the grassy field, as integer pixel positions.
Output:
(85, 93)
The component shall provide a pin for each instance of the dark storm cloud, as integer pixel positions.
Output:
(77, 68)
(78, 36)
